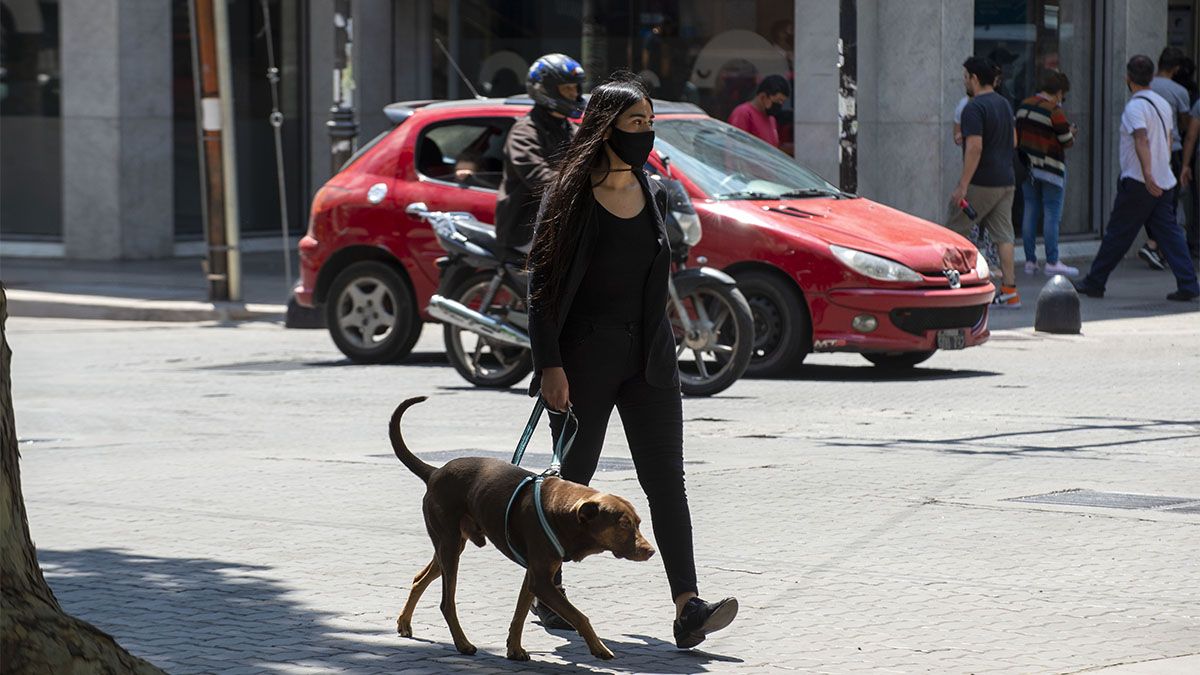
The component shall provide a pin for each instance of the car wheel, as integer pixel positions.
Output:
(897, 360)
(371, 314)
(481, 361)
(782, 328)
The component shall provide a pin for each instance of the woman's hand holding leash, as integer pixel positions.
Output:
(555, 391)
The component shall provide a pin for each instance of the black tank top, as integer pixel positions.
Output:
(614, 284)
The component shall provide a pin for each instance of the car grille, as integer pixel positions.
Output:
(919, 320)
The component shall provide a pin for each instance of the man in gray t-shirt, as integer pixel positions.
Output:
(1176, 95)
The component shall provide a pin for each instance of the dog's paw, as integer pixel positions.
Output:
(602, 652)
(404, 627)
(466, 648)
(517, 654)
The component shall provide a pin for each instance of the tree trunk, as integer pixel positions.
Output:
(36, 636)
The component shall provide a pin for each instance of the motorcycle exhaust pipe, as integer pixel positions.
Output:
(458, 315)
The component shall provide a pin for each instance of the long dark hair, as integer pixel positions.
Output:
(570, 194)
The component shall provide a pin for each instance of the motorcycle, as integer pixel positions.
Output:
(482, 292)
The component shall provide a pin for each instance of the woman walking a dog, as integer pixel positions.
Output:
(600, 333)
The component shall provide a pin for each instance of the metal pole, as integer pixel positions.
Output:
(848, 95)
(211, 120)
(276, 120)
(341, 124)
(228, 151)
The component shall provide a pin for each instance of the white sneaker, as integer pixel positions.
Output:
(1059, 268)
(1031, 267)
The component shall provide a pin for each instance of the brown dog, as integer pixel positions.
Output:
(466, 499)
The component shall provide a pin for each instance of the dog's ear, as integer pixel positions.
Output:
(587, 511)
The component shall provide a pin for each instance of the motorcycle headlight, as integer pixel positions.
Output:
(689, 223)
(981, 267)
(874, 266)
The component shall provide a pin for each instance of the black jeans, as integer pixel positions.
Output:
(1133, 208)
(604, 366)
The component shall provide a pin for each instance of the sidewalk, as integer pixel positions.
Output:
(174, 289)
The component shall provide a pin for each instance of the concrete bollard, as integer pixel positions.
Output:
(1058, 308)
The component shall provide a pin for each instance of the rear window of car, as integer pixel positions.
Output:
(467, 151)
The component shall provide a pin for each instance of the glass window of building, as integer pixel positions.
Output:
(30, 121)
(258, 194)
(709, 52)
(1028, 37)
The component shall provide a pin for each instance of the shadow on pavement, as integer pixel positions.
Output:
(1134, 291)
(869, 373)
(197, 615)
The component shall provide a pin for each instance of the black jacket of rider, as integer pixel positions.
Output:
(545, 327)
(532, 150)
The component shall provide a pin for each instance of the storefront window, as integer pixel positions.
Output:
(258, 194)
(1028, 37)
(30, 121)
(712, 53)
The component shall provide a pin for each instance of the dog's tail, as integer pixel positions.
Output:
(406, 457)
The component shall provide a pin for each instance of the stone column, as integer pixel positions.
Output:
(816, 85)
(118, 173)
(1131, 27)
(910, 78)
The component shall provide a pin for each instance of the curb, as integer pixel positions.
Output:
(40, 304)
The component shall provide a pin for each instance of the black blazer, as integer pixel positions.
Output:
(662, 367)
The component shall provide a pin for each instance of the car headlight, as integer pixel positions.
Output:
(689, 223)
(981, 267)
(874, 266)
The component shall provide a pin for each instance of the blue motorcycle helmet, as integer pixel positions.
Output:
(546, 75)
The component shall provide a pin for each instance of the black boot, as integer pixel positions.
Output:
(699, 618)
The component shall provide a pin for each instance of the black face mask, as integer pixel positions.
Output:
(633, 149)
(774, 108)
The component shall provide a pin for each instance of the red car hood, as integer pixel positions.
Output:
(859, 224)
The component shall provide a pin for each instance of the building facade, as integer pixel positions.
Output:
(98, 138)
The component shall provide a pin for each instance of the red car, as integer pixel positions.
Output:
(821, 269)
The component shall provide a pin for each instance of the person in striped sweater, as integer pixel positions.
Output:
(1043, 135)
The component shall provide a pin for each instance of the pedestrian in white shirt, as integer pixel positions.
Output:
(1146, 193)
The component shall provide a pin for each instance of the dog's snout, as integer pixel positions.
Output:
(642, 550)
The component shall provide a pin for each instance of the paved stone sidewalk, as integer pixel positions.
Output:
(224, 500)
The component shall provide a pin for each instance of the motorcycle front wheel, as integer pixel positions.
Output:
(717, 350)
(482, 361)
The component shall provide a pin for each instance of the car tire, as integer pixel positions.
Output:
(897, 360)
(782, 327)
(371, 313)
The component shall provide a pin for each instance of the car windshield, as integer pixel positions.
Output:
(728, 163)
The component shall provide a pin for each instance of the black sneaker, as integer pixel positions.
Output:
(1182, 296)
(1083, 289)
(1152, 257)
(549, 618)
(699, 618)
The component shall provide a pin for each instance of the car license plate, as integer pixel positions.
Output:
(952, 339)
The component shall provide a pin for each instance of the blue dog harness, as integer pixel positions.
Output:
(561, 449)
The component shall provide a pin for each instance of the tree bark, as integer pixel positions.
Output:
(36, 636)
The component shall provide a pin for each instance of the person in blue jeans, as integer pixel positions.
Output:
(1043, 135)
(1146, 192)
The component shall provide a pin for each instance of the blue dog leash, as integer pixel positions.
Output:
(561, 448)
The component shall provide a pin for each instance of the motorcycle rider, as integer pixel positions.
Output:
(535, 144)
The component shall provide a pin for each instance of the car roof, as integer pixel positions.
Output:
(402, 110)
